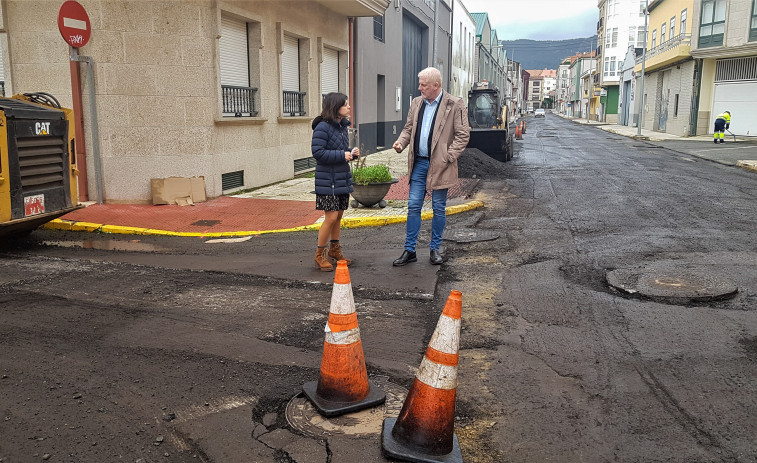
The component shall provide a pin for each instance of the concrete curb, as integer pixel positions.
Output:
(355, 222)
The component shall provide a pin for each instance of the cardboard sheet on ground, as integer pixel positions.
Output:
(184, 191)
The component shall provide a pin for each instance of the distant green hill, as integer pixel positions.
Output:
(546, 54)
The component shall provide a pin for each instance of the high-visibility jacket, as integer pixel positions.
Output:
(725, 116)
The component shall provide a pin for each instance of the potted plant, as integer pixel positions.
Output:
(370, 183)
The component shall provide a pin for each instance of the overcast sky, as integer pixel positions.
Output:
(539, 19)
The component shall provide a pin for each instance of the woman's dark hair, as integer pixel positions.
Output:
(332, 102)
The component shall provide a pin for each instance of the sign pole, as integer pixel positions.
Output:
(93, 122)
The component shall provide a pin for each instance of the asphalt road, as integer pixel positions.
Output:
(173, 349)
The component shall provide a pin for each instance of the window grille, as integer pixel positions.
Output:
(239, 101)
(736, 69)
(294, 103)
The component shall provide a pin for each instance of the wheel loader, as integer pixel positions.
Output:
(489, 126)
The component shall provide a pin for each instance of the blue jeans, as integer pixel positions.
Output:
(415, 203)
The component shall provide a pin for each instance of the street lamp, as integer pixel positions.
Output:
(643, 63)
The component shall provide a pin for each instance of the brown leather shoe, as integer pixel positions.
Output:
(322, 260)
(335, 252)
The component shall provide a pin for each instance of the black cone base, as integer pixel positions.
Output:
(394, 449)
(329, 408)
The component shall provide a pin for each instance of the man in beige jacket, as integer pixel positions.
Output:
(437, 132)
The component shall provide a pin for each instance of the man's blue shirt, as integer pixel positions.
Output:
(428, 118)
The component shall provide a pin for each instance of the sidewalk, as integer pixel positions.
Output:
(283, 207)
(740, 151)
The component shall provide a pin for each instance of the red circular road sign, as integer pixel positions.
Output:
(73, 23)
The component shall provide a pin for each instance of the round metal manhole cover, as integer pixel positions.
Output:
(672, 285)
(303, 417)
(469, 235)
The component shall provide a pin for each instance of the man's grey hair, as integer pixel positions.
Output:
(431, 75)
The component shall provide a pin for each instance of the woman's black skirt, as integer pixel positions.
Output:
(332, 203)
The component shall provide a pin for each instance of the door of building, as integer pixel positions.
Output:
(412, 61)
(624, 115)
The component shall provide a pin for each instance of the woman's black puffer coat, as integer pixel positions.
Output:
(332, 171)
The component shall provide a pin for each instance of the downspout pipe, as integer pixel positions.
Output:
(353, 103)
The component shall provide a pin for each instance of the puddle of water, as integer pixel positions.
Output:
(108, 245)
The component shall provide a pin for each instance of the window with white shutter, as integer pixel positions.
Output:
(290, 64)
(330, 71)
(237, 92)
(293, 98)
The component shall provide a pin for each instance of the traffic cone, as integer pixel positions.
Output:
(424, 430)
(523, 127)
(518, 135)
(343, 384)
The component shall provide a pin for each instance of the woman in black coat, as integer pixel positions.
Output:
(333, 178)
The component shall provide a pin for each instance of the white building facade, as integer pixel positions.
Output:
(621, 22)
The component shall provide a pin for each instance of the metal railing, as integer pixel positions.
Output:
(681, 39)
(294, 103)
(239, 101)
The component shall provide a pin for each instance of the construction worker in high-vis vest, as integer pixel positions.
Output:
(722, 122)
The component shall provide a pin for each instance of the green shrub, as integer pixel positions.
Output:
(371, 174)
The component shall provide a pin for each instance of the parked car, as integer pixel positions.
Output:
(539, 113)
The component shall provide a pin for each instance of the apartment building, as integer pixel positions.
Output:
(724, 44)
(542, 85)
(583, 92)
(670, 71)
(621, 22)
(490, 56)
(563, 79)
(221, 89)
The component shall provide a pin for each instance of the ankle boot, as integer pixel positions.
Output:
(322, 260)
(335, 252)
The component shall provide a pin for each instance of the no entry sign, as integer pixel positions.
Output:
(73, 23)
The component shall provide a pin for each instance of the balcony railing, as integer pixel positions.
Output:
(294, 103)
(239, 101)
(681, 39)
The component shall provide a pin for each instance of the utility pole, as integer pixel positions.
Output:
(640, 93)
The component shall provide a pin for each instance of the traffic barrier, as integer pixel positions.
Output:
(343, 385)
(424, 430)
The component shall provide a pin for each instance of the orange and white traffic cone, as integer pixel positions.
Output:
(424, 430)
(343, 384)
(518, 135)
(523, 127)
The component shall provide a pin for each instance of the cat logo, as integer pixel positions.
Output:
(42, 128)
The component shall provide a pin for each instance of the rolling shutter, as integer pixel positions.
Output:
(235, 69)
(290, 65)
(330, 71)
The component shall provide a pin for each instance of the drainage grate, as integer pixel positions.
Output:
(232, 180)
(304, 164)
(206, 223)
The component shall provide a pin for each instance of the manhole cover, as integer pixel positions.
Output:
(468, 235)
(303, 417)
(672, 285)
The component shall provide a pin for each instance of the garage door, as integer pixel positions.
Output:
(736, 91)
(741, 100)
